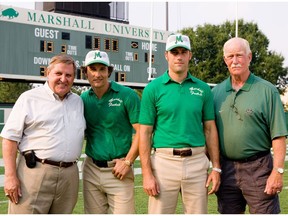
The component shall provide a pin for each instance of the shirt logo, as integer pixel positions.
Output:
(115, 102)
(249, 112)
(196, 91)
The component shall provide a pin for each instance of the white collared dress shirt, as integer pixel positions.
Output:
(53, 128)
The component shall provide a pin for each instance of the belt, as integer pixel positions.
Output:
(103, 164)
(252, 158)
(182, 152)
(54, 163)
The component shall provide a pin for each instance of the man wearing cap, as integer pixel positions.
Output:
(176, 122)
(111, 112)
(46, 126)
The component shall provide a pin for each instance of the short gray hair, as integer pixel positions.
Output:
(62, 58)
(244, 43)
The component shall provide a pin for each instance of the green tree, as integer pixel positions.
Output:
(207, 47)
(10, 91)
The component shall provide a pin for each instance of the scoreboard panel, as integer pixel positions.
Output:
(30, 38)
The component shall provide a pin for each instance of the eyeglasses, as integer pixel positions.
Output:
(233, 107)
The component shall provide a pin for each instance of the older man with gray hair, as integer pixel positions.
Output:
(250, 120)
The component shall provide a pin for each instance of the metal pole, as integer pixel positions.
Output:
(127, 11)
(167, 17)
(236, 29)
(150, 51)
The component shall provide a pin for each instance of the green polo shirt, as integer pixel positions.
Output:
(177, 111)
(249, 119)
(109, 121)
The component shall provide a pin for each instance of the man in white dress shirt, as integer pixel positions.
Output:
(46, 127)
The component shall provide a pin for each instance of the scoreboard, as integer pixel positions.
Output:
(30, 38)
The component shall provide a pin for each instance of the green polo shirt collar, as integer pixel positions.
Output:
(246, 87)
(166, 78)
(112, 87)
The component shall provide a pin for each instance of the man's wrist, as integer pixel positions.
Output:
(128, 162)
(217, 170)
(279, 170)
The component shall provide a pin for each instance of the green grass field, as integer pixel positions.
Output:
(141, 199)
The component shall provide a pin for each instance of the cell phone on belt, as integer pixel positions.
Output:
(30, 158)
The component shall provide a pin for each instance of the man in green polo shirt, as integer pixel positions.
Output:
(250, 120)
(111, 112)
(177, 121)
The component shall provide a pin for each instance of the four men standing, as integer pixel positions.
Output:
(175, 133)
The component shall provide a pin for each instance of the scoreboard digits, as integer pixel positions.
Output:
(45, 34)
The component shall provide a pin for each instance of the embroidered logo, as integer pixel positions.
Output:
(97, 55)
(115, 102)
(249, 112)
(196, 91)
(179, 39)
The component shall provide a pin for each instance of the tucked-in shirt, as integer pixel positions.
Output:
(249, 119)
(177, 111)
(109, 121)
(40, 121)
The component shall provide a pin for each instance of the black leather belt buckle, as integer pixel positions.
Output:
(65, 164)
(102, 164)
(182, 153)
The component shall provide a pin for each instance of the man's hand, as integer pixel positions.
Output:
(274, 183)
(213, 177)
(121, 169)
(150, 186)
(12, 189)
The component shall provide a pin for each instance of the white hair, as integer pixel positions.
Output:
(244, 43)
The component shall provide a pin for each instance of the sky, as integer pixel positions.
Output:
(270, 16)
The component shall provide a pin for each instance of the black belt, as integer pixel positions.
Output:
(54, 163)
(103, 164)
(252, 158)
(182, 153)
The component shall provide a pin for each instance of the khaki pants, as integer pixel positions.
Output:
(175, 174)
(46, 189)
(105, 194)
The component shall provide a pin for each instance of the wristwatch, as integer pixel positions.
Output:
(128, 162)
(217, 170)
(280, 170)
